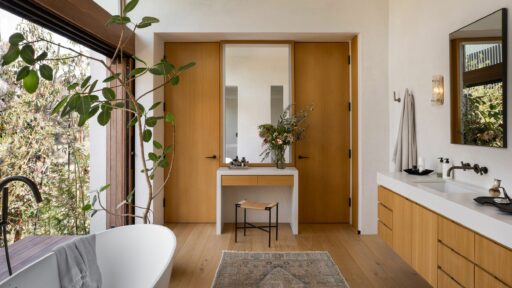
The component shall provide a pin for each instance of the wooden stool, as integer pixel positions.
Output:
(257, 206)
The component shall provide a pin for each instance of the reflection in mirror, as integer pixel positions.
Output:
(257, 89)
(478, 56)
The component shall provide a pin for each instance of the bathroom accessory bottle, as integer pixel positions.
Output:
(439, 169)
(446, 166)
(494, 191)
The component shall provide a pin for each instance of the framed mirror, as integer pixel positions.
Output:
(257, 87)
(478, 70)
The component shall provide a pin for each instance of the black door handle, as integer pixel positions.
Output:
(212, 157)
(303, 157)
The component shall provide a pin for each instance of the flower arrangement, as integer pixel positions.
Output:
(288, 130)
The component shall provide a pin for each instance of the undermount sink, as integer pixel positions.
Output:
(446, 187)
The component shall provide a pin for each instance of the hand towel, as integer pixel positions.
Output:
(77, 263)
(405, 154)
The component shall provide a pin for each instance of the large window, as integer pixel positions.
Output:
(53, 151)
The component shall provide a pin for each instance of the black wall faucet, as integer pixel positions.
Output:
(466, 166)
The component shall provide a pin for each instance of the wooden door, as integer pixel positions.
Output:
(322, 79)
(402, 227)
(190, 192)
(424, 243)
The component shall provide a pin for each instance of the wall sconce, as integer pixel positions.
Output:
(438, 89)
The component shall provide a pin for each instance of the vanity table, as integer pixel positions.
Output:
(258, 176)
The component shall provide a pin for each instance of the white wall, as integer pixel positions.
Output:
(366, 17)
(419, 49)
(254, 69)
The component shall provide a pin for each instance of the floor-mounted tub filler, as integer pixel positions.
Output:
(138, 256)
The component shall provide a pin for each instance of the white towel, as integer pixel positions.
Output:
(77, 263)
(405, 155)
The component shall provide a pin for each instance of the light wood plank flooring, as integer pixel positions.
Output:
(365, 261)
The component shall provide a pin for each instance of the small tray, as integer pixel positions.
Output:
(417, 172)
(238, 167)
(486, 200)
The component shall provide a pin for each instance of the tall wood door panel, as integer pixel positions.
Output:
(322, 80)
(190, 192)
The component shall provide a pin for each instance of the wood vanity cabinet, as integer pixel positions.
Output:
(443, 252)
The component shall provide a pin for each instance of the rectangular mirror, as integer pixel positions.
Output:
(256, 90)
(478, 69)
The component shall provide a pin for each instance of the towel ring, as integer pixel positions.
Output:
(395, 98)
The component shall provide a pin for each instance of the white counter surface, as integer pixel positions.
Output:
(459, 207)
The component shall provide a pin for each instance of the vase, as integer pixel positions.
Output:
(278, 157)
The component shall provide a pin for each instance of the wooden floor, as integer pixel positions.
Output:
(365, 261)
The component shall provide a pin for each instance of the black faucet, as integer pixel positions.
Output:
(5, 210)
(466, 166)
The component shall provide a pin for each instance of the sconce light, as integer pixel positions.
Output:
(438, 89)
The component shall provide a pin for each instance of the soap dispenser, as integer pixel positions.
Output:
(446, 166)
(439, 169)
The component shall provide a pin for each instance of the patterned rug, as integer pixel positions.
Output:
(286, 269)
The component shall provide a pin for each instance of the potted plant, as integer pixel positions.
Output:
(276, 138)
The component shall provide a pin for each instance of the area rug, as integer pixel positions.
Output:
(281, 269)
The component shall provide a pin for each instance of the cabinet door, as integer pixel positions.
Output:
(402, 227)
(424, 243)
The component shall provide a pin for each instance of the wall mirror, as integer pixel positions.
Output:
(257, 88)
(478, 56)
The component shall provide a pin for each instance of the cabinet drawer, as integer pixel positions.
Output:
(386, 197)
(494, 258)
(386, 216)
(444, 281)
(459, 268)
(457, 237)
(239, 180)
(484, 279)
(275, 180)
(385, 234)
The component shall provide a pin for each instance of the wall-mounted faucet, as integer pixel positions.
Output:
(5, 210)
(466, 166)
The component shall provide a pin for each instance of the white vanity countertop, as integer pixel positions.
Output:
(459, 207)
(258, 171)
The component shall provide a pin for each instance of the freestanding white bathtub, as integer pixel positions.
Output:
(136, 256)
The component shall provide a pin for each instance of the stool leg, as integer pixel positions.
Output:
(236, 222)
(269, 226)
(245, 220)
(277, 220)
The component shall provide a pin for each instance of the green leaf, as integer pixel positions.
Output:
(156, 71)
(106, 107)
(169, 118)
(93, 86)
(175, 80)
(16, 38)
(129, 197)
(94, 213)
(186, 66)
(154, 106)
(85, 82)
(119, 105)
(93, 111)
(132, 122)
(118, 20)
(140, 60)
(108, 93)
(130, 6)
(60, 105)
(46, 72)
(168, 149)
(22, 73)
(27, 54)
(31, 82)
(157, 144)
(150, 19)
(104, 188)
(143, 25)
(152, 156)
(137, 71)
(72, 86)
(11, 55)
(94, 199)
(166, 66)
(147, 135)
(112, 78)
(164, 163)
(87, 207)
(151, 121)
(104, 117)
(42, 56)
(83, 105)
